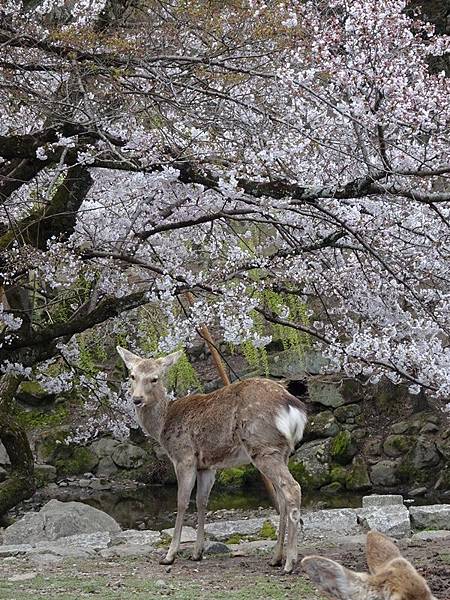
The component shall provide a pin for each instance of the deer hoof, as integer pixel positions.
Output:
(275, 562)
(166, 560)
(288, 568)
(196, 557)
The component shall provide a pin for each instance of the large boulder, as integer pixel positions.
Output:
(321, 425)
(425, 453)
(327, 394)
(357, 479)
(311, 464)
(396, 445)
(44, 474)
(4, 458)
(384, 473)
(434, 516)
(343, 448)
(59, 519)
(348, 413)
(104, 446)
(128, 456)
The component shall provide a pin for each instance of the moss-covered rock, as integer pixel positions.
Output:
(311, 464)
(321, 425)
(347, 412)
(44, 474)
(237, 477)
(385, 473)
(332, 488)
(74, 460)
(396, 445)
(327, 394)
(49, 443)
(343, 448)
(357, 479)
(338, 474)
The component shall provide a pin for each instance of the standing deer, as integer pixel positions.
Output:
(253, 421)
(391, 576)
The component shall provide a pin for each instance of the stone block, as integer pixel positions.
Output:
(390, 520)
(188, 534)
(134, 536)
(377, 500)
(323, 523)
(435, 516)
(223, 530)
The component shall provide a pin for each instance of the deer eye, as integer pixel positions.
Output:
(154, 379)
(132, 377)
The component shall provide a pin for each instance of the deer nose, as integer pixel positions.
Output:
(138, 400)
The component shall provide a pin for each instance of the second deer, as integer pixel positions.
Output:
(391, 576)
(253, 421)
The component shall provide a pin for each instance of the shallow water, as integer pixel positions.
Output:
(154, 505)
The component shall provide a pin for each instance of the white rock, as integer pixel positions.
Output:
(126, 550)
(188, 534)
(322, 523)
(391, 520)
(377, 500)
(435, 516)
(428, 536)
(133, 536)
(59, 519)
(95, 541)
(23, 576)
(14, 549)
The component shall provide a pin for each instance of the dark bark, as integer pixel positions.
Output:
(20, 484)
(58, 218)
(42, 345)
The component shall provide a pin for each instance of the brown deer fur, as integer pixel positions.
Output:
(391, 576)
(253, 421)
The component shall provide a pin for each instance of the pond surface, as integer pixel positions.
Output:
(154, 506)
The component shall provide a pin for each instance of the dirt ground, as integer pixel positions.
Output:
(224, 578)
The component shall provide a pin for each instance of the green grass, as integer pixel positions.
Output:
(62, 587)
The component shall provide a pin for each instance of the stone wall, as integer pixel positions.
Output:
(359, 438)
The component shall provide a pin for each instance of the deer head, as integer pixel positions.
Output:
(147, 375)
(391, 576)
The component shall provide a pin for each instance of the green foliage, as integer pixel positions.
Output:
(182, 377)
(290, 338)
(74, 460)
(342, 447)
(36, 419)
(92, 353)
(235, 477)
(267, 531)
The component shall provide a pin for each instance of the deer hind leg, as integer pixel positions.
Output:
(186, 479)
(274, 467)
(205, 481)
(277, 557)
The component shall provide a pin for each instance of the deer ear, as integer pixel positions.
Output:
(128, 357)
(168, 361)
(379, 551)
(331, 577)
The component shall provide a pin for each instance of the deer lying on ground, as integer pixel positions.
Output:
(253, 421)
(391, 576)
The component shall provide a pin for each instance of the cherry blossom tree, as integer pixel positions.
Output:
(233, 150)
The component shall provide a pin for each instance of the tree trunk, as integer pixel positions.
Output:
(20, 484)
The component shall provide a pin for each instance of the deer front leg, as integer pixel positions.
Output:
(186, 479)
(205, 481)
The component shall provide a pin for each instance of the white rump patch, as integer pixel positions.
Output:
(291, 422)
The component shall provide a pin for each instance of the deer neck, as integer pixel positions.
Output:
(153, 414)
